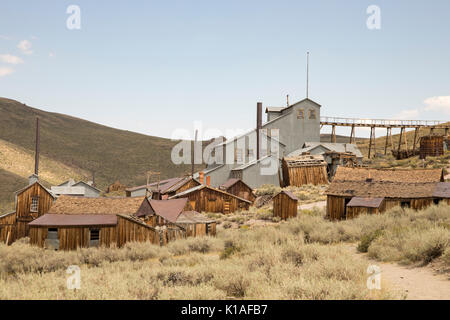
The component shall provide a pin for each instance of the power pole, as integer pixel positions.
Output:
(36, 159)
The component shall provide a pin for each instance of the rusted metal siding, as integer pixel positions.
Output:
(432, 146)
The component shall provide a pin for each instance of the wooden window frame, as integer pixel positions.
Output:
(34, 206)
(312, 114)
(300, 114)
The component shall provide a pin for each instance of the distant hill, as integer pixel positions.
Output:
(76, 147)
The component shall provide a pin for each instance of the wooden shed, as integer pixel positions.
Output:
(207, 199)
(359, 205)
(432, 146)
(285, 205)
(32, 202)
(304, 169)
(238, 188)
(8, 227)
(75, 222)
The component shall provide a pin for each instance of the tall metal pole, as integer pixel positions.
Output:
(307, 75)
(36, 159)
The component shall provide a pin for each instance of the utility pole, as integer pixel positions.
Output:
(307, 75)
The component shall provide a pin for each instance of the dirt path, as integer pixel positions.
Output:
(419, 283)
(320, 204)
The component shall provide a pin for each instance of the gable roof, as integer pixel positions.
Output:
(305, 161)
(365, 202)
(442, 190)
(288, 193)
(336, 147)
(193, 217)
(381, 189)
(74, 220)
(169, 209)
(275, 109)
(87, 185)
(81, 205)
(202, 186)
(40, 184)
(231, 182)
(281, 109)
(388, 175)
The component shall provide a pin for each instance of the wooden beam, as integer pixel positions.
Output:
(406, 140)
(416, 134)
(400, 141)
(374, 143)
(352, 135)
(387, 140)
(333, 134)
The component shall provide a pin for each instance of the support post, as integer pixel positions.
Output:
(387, 139)
(416, 133)
(352, 135)
(370, 142)
(333, 133)
(400, 141)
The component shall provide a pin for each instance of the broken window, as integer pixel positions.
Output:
(405, 204)
(312, 114)
(52, 234)
(94, 238)
(34, 204)
(300, 114)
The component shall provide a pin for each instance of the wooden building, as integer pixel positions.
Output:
(8, 227)
(75, 222)
(407, 195)
(31, 202)
(204, 198)
(432, 146)
(358, 205)
(396, 187)
(238, 188)
(304, 169)
(285, 205)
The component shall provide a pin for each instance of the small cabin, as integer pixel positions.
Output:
(204, 198)
(238, 188)
(163, 189)
(304, 169)
(442, 193)
(285, 205)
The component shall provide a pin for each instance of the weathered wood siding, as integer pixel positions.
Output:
(241, 190)
(199, 229)
(210, 200)
(299, 176)
(23, 207)
(8, 228)
(353, 212)
(128, 230)
(284, 206)
(336, 207)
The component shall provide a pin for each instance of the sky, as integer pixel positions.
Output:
(158, 67)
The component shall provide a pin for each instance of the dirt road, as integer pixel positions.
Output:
(419, 283)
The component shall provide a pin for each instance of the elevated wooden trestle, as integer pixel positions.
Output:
(384, 123)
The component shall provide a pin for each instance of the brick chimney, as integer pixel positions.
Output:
(208, 180)
(201, 177)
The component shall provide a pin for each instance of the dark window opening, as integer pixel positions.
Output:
(405, 204)
(52, 233)
(300, 114)
(95, 234)
(312, 114)
(437, 201)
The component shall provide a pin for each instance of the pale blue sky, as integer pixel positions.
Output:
(155, 66)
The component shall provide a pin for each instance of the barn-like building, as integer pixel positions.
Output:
(304, 169)
(238, 188)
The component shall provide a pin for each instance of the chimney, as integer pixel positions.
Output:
(208, 180)
(200, 177)
(32, 179)
(258, 128)
(36, 159)
(369, 178)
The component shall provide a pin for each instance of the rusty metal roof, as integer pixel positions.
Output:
(442, 190)
(74, 220)
(169, 209)
(365, 202)
(103, 205)
(193, 217)
(163, 184)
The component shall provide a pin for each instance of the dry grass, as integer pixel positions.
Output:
(303, 258)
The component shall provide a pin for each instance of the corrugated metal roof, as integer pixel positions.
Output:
(193, 217)
(442, 190)
(74, 220)
(274, 109)
(163, 184)
(337, 147)
(169, 209)
(229, 183)
(365, 202)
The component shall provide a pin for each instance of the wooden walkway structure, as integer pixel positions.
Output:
(388, 125)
